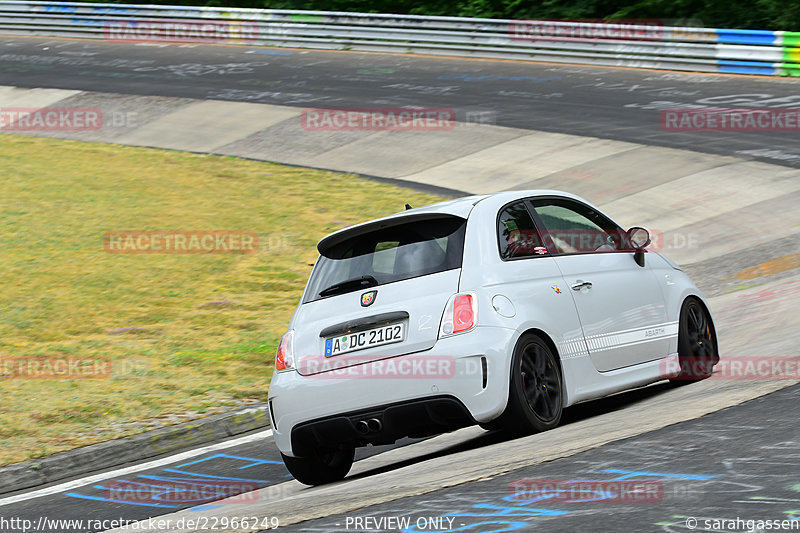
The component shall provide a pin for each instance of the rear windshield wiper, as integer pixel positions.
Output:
(349, 285)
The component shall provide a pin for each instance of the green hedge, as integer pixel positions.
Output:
(747, 14)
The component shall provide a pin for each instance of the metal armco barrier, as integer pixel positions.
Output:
(643, 45)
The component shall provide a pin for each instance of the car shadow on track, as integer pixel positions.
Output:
(572, 414)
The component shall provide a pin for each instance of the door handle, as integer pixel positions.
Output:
(580, 284)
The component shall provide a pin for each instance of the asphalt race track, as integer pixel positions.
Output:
(253, 464)
(619, 104)
(737, 463)
(711, 450)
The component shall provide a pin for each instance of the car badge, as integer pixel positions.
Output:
(555, 288)
(368, 298)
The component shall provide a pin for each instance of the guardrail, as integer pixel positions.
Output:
(643, 45)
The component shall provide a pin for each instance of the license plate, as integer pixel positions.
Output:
(350, 342)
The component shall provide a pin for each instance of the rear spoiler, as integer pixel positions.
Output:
(346, 234)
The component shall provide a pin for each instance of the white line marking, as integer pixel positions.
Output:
(75, 483)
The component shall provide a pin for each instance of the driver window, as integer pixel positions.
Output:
(516, 233)
(576, 229)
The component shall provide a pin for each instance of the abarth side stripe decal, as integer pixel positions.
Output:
(618, 339)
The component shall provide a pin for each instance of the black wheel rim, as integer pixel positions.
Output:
(540, 382)
(698, 331)
(326, 456)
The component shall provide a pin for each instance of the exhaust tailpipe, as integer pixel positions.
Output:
(374, 425)
(362, 427)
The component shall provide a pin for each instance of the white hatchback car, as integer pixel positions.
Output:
(498, 310)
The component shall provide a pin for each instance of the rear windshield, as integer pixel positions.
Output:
(387, 255)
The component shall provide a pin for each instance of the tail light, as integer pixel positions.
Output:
(460, 314)
(284, 358)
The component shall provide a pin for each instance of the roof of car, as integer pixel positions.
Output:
(460, 207)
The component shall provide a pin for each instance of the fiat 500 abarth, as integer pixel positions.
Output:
(498, 310)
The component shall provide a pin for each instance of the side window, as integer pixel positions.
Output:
(576, 228)
(516, 233)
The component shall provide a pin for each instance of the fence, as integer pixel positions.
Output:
(642, 44)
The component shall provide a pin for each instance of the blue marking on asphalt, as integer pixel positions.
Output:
(197, 478)
(253, 462)
(631, 473)
(509, 511)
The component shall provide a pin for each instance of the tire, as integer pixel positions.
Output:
(324, 466)
(697, 346)
(535, 396)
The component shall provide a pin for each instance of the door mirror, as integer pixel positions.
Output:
(639, 239)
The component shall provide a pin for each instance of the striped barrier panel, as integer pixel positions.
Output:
(638, 44)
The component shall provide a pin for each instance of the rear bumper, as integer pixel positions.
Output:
(382, 425)
(323, 409)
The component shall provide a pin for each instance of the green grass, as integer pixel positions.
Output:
(201, 329)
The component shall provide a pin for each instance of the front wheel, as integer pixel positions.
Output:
(323, 466)
(535, 399)
(697, 347)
